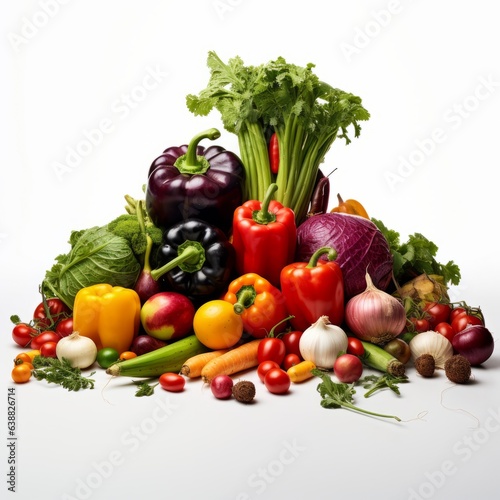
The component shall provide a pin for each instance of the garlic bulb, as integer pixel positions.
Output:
(433, 343)
(80, 351)
(375, 315)
(322, 342)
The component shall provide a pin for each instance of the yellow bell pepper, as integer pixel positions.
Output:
(109, 315)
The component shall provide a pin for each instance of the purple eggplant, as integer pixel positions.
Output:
(190, 181)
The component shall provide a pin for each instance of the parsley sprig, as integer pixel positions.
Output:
(375, 383)
(341, 395)
(56, 371)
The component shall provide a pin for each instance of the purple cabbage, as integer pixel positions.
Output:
(360, 247)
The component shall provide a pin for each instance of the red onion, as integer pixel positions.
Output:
(222, 386)
(474, 343)
(145, 343)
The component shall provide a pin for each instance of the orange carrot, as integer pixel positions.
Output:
(193, 366)
(235, 360)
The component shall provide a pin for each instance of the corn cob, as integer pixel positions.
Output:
(169, 358)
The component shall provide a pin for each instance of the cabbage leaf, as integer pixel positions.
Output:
(96, 256)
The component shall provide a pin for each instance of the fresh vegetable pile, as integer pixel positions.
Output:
(232, 262)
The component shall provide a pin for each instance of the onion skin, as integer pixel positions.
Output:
(475, 343)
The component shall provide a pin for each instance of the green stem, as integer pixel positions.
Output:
(313, 261)
(190, 258)
(246, 297)
(367, 412)
(191, 163)
(264, 216)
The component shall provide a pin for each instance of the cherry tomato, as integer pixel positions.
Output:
(291, 341)
(127, 355)
(455, 312)
(264, 367)
(445, 329)
(22, 334)
(462, 320)
(107, 356)
(437, 312)
(355, 346)
(48, 349)
(23, 357)
(21, 373)
(46, 336)
(291, 360)
(277, 381)
(65, 327)
(348, 368)
(271, 348)
(172, 382)
(56, 308)
(420, 324)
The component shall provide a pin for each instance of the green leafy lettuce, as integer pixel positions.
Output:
(97, 256)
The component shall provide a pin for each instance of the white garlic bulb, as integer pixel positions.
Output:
(433, 343)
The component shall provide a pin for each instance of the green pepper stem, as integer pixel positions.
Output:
(191, 163)
(245, 298)
(190, 258)
(271, 333)
(264, 216)
(332, 255)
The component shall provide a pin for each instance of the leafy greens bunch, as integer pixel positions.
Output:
(306, 114)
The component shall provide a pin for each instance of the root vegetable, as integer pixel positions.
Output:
(222, 386)
(244, 391)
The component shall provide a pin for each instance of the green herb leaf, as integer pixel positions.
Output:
(61, 372)
(386, 381)
(144, 388)
(340, 395)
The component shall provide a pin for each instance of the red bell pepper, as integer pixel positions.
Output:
(264, 237)
(313, 289)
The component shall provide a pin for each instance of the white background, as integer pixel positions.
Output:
(427, 71)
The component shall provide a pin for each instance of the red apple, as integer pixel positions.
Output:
(167, 316)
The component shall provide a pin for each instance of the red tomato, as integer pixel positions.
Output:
(462, 320)
(354, 346)
(56, 309)
(455, 312)
(445, 329)
(291, 360)
(271, 348)
(172, 382)
(23, 333)
(46, 336)
(65, 327)
(277, 381)
(420, 324)
(48, 349)
(264, 367)
(437, 313)
(291, 341)
(348, 368)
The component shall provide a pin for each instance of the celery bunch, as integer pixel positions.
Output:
(306, 114)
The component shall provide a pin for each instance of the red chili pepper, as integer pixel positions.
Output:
(313, 289)
(274, 154)
(264, 237)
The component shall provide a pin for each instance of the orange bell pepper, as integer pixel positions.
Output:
(260, 304)
(109, 315)
(352, 207)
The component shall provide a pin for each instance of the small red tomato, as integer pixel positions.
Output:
(291, 341)
(445, 329)
(65, 327)
(48, 314)
(355, 346)
(22, 334)
(277, 381)
(291, 360)
(264, 367)
(437, 312)
(48, 349)
(271, 348)
(46, 336)
(172, 382)
(461, 321)
(348, 368)
(420, 324)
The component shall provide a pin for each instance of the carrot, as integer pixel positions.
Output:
(235, 360)
(192, 367)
